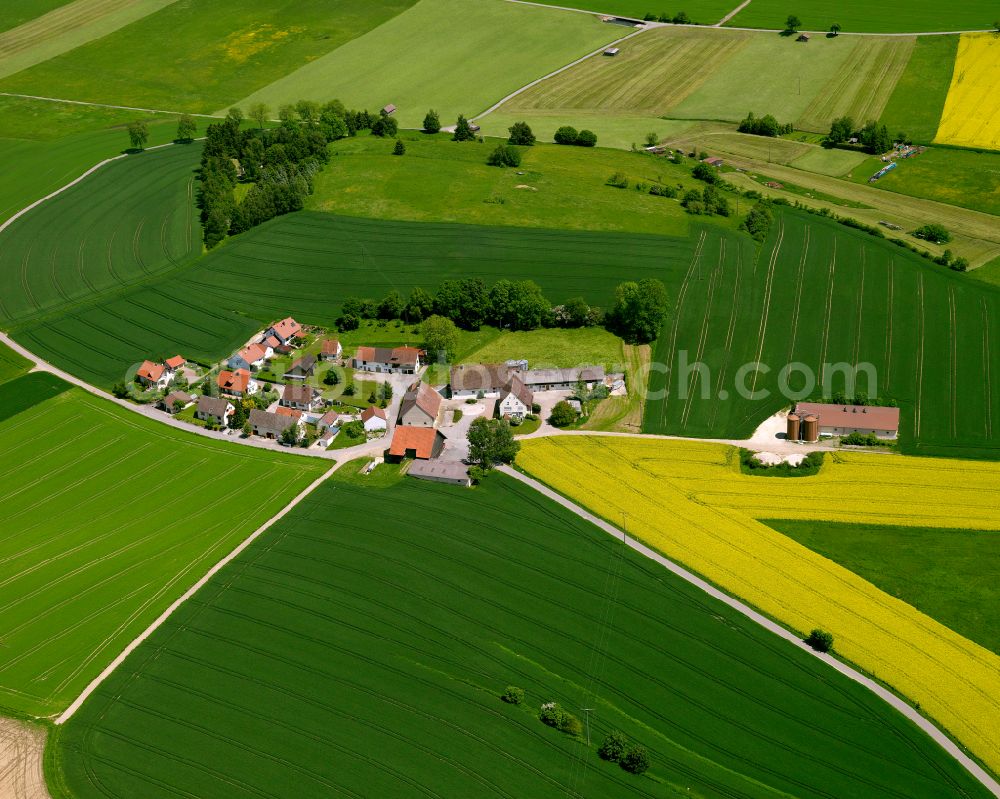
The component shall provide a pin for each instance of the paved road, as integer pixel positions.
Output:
(943, 740)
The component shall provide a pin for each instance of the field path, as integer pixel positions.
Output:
(95, 683)
(936, 734)
(732, 14)
(106, 105)
(21, 748)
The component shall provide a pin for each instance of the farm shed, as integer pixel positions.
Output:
(803, 37)
(422, 443)
(389, 109)
(612, 51)
(451, 472)
(842, 420)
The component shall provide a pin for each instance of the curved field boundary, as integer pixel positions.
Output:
(887, 696)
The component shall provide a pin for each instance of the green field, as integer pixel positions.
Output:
(108, 518)
(701, 12)
(220, 51)
(11, 364)
(21, 393)
(46, 145)
(619, 131)
(555, 187)
(130, 220)
(551, 349)
(831, 162)
(819, 293)
(18, 13)
(916, 104)
(966, 178)
(301, 671)
(445, 54)
(947, 574)
(891, 16)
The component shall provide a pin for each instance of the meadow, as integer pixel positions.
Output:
(971, 116)
(701, 12)
(444, 54)
(439, 180)
(620, 131)
(917, 102)
(947, 574)
(551, 348)
(14, 15)
(128, 221)
(819, 293)
(11, 364)
(690, 501)
(108, 517)
(219, 52)
(301, 671)
(891, 16)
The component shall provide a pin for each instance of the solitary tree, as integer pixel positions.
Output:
(440, 337)
(432, 123)
(820, 640)
(290, 435)
(491, 442)
(520, 133)
(835, 29)
(260, 113)
(793, 23)
(504, 155)
(186, 128)
(652, 139)
(614, 747)
(563, 414)
(138, 134)
(640, 310)
(400, 148)
(636, 760)
(235, 114)
(567, 134)
(463, 130)
(247, 429)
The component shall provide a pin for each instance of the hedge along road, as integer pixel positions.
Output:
(928, 727)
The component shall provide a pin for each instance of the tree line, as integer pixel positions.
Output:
(872, 137)
(637, 315)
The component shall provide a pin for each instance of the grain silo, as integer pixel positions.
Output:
(810, 428)
(792, 431)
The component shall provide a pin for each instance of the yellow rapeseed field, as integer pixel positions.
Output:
(690, 501)
(971, 115)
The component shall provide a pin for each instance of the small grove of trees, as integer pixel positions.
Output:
(709, 201)
(520, 134)
(138, 134)
(432, 122)
(759, 220)
(513, 695)
(616, 749)
(554, 715)
(766, 125)
(873, 137)
(504, 155)
(820, 640)
(186, 128)
(640, 310)
(680, 18)
(491, 442)
(933, 232)
(567, 134)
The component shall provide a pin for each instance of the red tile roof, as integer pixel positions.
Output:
(271, 342)
(371, 411)
(865, 417)
(234, 381)
(418, 439)
(287, 328)
(150, 371)
(331, 346)
(281, 410)
(176, 362)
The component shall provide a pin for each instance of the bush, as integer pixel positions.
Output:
(614, 747)
(636, 760)
(513, 695)
(563, 414)
(470, 401)
(586, 138)
(619, 180)
(570, 724)
(353, 429)
(400, 148)
(536, 408)
(862, 440)
(662, 191)
(521, 134)
(933, 232)
(504, 155)
(550, 713)
(820, 640)
(432, 123)
(705, 172)
(566, 135)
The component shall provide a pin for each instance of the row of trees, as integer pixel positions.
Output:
(638, 313)
(680, 18)
(766, 125)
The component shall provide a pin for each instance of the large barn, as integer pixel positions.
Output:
(842, 420)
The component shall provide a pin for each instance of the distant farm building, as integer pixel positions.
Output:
(803, 37)
(389, 109)
(451, 472)
(811, 419)
(612, 51)
(716, 162)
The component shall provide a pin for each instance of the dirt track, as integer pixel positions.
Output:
(21, 747)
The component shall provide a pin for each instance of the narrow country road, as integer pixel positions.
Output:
(928, 727)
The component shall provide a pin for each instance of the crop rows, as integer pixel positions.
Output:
(362, 669)
(689, 502)
(83, 574)
(819, 295)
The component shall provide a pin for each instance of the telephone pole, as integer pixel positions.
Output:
(588, 711)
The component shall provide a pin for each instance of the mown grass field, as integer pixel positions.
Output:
(831, 162)
(60, 30)
(947, 574)
(108, 517)
(301, 671)
(966, 178)
(891, 16)
(555, 348)
(130, 220)
(439, 180)
(690, 501)
(818, 293)
(11, 364)
(620, 131)
(446, 55)
(971, 116)
(917, 102)
(220, 51)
